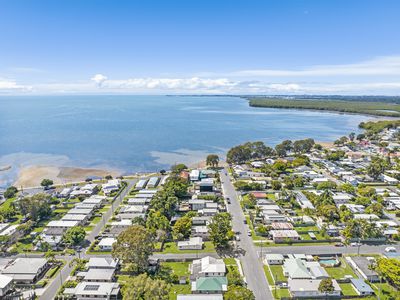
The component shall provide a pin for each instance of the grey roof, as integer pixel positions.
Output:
(4, 281)
(363, 264)
(102, 262)
(99, 274)
(24, 265)
(361, 286)
(97, 288)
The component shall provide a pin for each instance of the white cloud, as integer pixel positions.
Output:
(99, 79)
(377, 76)
(8, 85)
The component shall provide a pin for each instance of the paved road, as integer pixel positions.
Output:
(252, 267)
(325, 249)
(55, 284)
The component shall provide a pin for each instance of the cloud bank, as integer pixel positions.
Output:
(380, 75)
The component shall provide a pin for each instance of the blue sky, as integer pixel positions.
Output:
(232, 46)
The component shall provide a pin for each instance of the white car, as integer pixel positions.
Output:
(390, 249)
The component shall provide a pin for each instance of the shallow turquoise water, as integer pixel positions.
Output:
(142, 133)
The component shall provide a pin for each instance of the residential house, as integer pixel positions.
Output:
(280, 236)
(6, 284)
(194, 243)
(26, 270)
(361, 287)
(308, 288)
(210, 285)
(362, 265)
(274, 259)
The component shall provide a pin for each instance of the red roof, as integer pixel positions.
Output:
(259, 195)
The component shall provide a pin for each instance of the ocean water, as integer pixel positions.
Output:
(145, 133)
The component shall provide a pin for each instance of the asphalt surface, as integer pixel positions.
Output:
(252, 266)
(52, 288)
(325, 249)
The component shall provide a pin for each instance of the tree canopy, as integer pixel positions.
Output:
(212, 160)
(236, 292)
(134, 246)
(74, 236)
(220, 230)
(143, 287)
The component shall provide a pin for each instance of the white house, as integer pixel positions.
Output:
(308, 288)
(274, 259)
(106, 244)
(194, 243)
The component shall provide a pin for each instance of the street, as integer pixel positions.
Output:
(252, 266)
(53, 286)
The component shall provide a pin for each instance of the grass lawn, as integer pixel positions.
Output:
(95, 220)
(268, 275)
(88, 228)
(105, 208)
(171, 247)
(387, 291)
(341, 271)
(306, 228)
(347, 289)
(178, 268)
(277, 272)
(279, 293)
(229, 261)
(179, 289)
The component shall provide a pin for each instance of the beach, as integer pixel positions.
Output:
(33, 175)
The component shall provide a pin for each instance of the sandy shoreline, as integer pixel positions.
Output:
(32, 176)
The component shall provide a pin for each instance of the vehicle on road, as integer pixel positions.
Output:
(339, 245)
(237, 237)
(249, 232)
(245, 221)
(390, 249)
(355, 244)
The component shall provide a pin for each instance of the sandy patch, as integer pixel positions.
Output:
(33, 175)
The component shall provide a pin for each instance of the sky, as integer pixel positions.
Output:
(200, 47)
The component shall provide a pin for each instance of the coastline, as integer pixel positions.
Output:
(32, 176)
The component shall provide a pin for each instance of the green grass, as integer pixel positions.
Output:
(277, 272)
(268, 275)
(306, 228)
(341, 271)
(279, 293)
(347, 289)
(178, 268)
(177, 289)
(229, 261)
(387, 291)
(171, 247)
(95, 220)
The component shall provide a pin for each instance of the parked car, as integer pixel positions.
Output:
(339, 245)
(390, 249)
(249, 232)
(355, 244)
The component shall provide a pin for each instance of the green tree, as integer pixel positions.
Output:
(390, 270)
(46, 183)
(143, 287)
(212, 160)
(37, 207)
(235, 292)
(158, 224)
(220, 230)
(234, 277)
(182, 228)
(276, 185)
(375, 208)
(176, 169)
(134, 246)
(74, 236)
(10, 192)
(326, 286)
